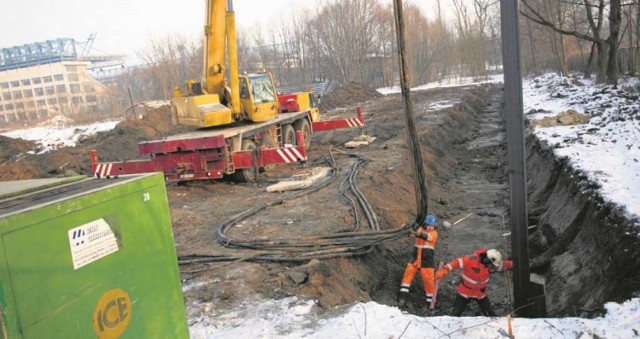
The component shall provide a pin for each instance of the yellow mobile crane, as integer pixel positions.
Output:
(212, 102)
(242, 127)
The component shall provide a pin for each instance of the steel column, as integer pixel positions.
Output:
(524, 305)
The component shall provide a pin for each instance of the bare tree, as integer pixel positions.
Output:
(613, 42)
(471, 20)
(170, 61)
(444, 40)
(419, 45)
(606, 49)
(464, 26)
(346, 29)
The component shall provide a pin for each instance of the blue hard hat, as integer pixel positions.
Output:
(430, 219)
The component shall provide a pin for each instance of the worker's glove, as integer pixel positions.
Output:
(441, 273)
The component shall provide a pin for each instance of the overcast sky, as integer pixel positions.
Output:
(125, 26)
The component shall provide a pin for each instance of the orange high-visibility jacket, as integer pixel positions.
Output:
(424, 246)
(475, 275)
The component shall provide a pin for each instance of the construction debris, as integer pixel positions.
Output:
(296, 183)
(361, 140)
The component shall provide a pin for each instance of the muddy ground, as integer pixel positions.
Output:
(464, 154)
(464, 161)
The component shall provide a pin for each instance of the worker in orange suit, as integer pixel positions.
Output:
(422, 260)
(476, 270)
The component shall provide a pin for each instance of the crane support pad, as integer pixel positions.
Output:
(327, 125)
(270, 156)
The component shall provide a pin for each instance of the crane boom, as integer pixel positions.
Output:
(214, 55)
(214, 101)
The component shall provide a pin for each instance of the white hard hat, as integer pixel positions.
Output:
(495, 256)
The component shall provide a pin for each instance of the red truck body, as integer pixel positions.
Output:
(214, 153)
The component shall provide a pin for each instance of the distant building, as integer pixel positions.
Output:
(46, 79)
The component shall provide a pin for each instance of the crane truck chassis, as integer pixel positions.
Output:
(241, 150)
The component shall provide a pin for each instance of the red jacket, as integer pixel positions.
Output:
(475, 275)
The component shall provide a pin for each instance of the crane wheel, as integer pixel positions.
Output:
(288, 135)
(303, 125)
(247, 174)
(267, 141)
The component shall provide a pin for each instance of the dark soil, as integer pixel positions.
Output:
(11, 148)
(118, 144)
(350, 94)
(585, 249)
(582, 243)
(463, 177)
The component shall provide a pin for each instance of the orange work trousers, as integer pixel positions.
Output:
(426, 273)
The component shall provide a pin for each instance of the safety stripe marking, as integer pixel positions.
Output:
(474, 281)
(283, 156)
(295, 150)
(290, 154)
(471, 296)
(425, 246)
(103, 169)
(354, 123)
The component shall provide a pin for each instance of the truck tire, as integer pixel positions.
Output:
(288, 135)
(303, 126)
(268, 142)
(247, 174)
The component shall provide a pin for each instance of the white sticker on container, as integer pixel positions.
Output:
(91, 242)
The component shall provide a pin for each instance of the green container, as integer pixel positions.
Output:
(86, 258)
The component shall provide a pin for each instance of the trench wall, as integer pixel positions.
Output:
(587, 249)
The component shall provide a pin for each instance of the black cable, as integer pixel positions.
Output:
(296, 249)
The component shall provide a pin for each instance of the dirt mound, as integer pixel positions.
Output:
(569, 117)
(19, 171)
(349, 94)
(10, 147)
(118, 144)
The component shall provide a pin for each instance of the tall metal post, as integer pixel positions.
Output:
(410, 118)
(526, 294)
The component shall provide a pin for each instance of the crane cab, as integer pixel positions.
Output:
(258, 103)
(258, 97)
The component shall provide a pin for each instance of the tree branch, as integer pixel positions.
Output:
(539, 19)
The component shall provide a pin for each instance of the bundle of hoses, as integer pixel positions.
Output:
(296, 249)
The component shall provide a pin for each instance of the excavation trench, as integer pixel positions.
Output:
(585, 249)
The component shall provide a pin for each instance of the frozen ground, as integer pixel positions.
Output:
(608, 147)
(59, 132)
(293, 318)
